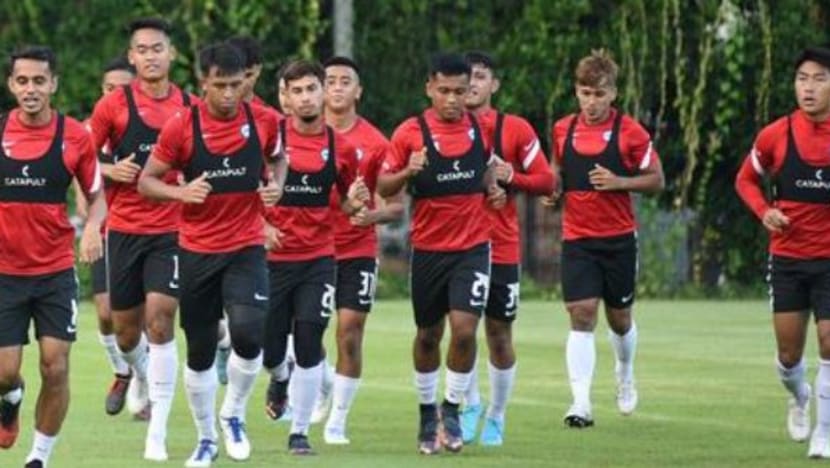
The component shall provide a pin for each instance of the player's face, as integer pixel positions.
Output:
(32, 84)
(305, 97)
(482, 87)
(251, 77)
(222, 93)
(812, 89)
(151, 54)
(448, 95)
(282, 96)
(595, 102)
(114, 79)
(342, 88)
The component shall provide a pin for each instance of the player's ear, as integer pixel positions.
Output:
(495, 86)
(173, 52)
(359, 92)
(53, 86)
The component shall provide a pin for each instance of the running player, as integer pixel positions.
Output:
(792, 151)
(603, 156)
(527, 170)
(302, 265)
(355, 238)
(141, 243)
(220, 145)
(450, 267)
(41, 153)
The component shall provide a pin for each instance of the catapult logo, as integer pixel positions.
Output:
(227, 171)
(814, 184)
(457, 174)
(24, 179)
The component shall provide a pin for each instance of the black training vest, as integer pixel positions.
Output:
(139, 138)
(576, 166)
(310, 189)
(240, 171)
(445, 176)
(41, 180)
(798, 181)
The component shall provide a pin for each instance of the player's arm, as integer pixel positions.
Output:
(403, 161)
(749, 188)
(387, 210)
(535, 176)
(88, 176)
(640, 152)
(81, 206)
(354, 194)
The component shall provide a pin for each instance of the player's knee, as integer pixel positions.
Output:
(160, 328)
(500, 344)
(245, 325)
(201, 347)
(790, 357)
(427, 340)
(463, 341)
(54, 369)
(349, 338)
(582, 318)
(308, 344)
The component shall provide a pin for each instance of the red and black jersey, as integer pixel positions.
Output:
(257, 101)
(37, 166)
(304, 215)
(449, 203)
(129, 121)
(795, 152)
(231, 152)
(371, 148)
(515, 142)
(621, 145)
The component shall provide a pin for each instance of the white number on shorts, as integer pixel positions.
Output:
(368, 283)
(327, 301)
(512, 299)
(480, 289)
(174, 283)
(73, 322)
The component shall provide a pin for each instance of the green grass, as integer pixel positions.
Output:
(709, 396)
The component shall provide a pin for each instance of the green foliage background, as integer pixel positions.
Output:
(703, 76)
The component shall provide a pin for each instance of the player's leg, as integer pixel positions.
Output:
(819, 285)
(14, 334)
(282, 279)
(223, 351)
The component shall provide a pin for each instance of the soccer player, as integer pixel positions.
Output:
(450, 266)
(118, 73)
(602, 156)
(792, 151)
(355, 238)
(220, 145)
(42, 152)
(141, 243)
(301, 264)
(527, 170)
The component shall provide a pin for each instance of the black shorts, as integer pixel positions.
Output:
(799, 285)
(50, 300)
(503, 301)
(98, 272)
(356, 283)
(212, 282)
(444, 281)
(138, 264)
(302, 291)
(600, 268)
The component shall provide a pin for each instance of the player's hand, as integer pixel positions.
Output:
(91, 247)
(125, 170)
(417, 161)
(502, 170)
(496, 196)
(196, 191)
(273, 237)
(364, 217)
(552, 199)
(604, 180)
(270, 193)
(359, 191)
(775, 220)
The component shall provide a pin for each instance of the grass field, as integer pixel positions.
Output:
(709, 396)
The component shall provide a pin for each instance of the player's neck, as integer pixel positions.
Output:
(597, 121)
(817, 118)
(343, 121)
(249, 98)
(303, 127)
(41, 119)
(156, 89)
(218, 114)
(483, 108)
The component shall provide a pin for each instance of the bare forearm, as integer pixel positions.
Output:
(152, 187)
(97, 210)
(391, 184)
(644, 183)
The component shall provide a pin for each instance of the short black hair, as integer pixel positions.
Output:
(479, 57)
(226, 58)
(250, 47)
(40, 53)
(448, 64)
(340, 60)
(119, 63)
(158, 24)
(818, 54)
(301, 68)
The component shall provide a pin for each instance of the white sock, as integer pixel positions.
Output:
(455, 386)
(625, 347)
(823, 398)
(328, 376)
(14, 396)
(343, 394)
(41, 447)
(581, 356)
(225, 342)
(307, 383)
(281, 371)
(162, 371)
(472, 397)
(501, 386)
(137, 358)
(242, 375)
(794, 379)
(427, 385)
(119, 365)
(200, 388)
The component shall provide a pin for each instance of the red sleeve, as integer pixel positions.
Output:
(558, 134)
(101, 120)
(401, 147)
(86, 168)
(759, 161)
(269, 120)
(174, 142)
(535, 176)
(346, 164)
(638, 151)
